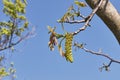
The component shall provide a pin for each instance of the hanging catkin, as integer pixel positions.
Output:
(68, 47)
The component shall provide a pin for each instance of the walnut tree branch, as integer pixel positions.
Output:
(75, 21)
(99, 53)
(109, 15)
(88, 19)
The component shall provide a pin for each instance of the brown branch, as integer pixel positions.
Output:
(109, 15)
(75, 21)
(88, 19)
(99, 53)
(12, 30)
(20, 40)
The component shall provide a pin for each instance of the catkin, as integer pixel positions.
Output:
(68, 47)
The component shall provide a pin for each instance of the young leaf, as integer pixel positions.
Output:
(80, 4)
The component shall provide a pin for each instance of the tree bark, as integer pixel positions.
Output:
(109, 15)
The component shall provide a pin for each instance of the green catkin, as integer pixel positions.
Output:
(68, 47)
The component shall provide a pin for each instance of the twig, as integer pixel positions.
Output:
(99, 53)
(75, 21)
(104, 55)
(88, 19)
(105, 66)
(21, 39)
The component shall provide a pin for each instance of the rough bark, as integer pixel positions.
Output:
(109, 15)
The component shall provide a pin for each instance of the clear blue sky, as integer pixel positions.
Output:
(34, 61)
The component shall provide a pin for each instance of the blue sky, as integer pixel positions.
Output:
(34, 61)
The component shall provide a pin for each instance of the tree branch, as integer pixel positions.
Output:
(20, 40)
(88, 19)
(99, 53)
(75, 21)
(109, 16)
(102, 54)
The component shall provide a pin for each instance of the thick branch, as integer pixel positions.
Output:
(109, 16)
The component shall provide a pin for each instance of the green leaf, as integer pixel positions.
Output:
(3, 73)
(26, 24)
(21, 29)
(5, 31)
(59, 36)
(80, 4)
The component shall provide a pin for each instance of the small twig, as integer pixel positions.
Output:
(88, 19)
(99, 53)
(75, 21)
(104, 55)
(106, 66)
(12, 30)
(20, 40)
(110, 63)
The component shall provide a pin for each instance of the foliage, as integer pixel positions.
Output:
(4, 72)
(12, 31)
(68, 17)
